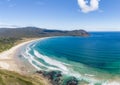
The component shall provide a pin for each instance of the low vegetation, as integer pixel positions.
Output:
(12, 78)
(33, 32)
(7, 43)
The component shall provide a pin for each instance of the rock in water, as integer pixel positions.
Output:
(53, 76)
(72, 81)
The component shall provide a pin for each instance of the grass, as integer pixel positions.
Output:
(13, 78)
(7, 43)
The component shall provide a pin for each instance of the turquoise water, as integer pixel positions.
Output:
(94, 59)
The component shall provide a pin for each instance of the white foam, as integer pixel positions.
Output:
(63, 68)
(33, 45)
(34, 65)
(31, 58)
(111, 83)
(51, 61)
(89, 75)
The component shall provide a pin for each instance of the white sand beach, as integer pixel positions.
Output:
(7, 60)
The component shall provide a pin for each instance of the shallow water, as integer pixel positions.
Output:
(93, 59)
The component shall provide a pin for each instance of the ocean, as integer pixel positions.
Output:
(94, 59)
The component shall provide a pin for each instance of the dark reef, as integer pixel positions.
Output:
(56, 78)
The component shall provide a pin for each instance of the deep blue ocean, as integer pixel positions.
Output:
(92, 58)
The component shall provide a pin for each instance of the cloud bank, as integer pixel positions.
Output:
(94, 5)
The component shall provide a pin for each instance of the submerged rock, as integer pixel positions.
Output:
(39, 72)
(56, 78)
(72, 81)
(53, 76)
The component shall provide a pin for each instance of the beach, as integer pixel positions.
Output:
(9, 58)
(12, 60)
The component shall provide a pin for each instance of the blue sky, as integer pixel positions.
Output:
(102, 15)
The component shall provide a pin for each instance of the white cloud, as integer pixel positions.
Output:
(94, 5)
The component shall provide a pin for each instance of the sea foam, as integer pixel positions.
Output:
(50, 61)
(57, 65)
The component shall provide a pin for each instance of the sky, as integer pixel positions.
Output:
(90, 15)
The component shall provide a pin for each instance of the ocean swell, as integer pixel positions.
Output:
(33, 57)
(41, 61)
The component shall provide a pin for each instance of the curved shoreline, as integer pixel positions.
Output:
(108, 82)
(8, 58)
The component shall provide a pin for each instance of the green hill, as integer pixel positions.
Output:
(38, 32)
(9, 36)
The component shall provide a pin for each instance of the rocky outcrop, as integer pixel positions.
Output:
(53, 76)
(56, 78)
(72, 81)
